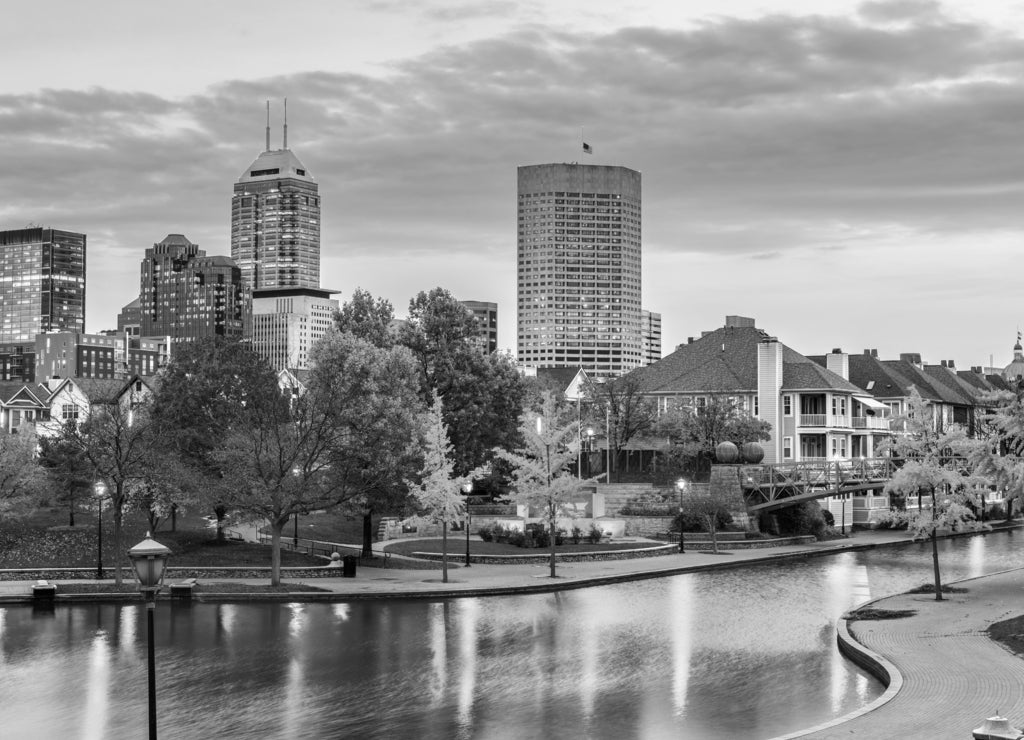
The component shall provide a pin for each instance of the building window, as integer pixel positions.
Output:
(787, 448)
(69, 412)
(787, 405)
(838, 406)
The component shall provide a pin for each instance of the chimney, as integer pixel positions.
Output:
(943, 363)
(739, 321)
(769, 400)
(838, 362)
(976, 369)
(914, 358)
(689, 340)
(950, 364)
(874, 353)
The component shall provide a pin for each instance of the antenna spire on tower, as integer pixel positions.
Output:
(268, 126)
(286, 123)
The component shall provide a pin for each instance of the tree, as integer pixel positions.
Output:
(1001, 457)
(704, 508)
(120, 446)
(695, 431)
(367, 318)
(620, 404)
(934, 460)
(371, 396)
(201, 395)
(541, 475)
(483, 394)
(20, 475)
(68, 471)
(438, 492)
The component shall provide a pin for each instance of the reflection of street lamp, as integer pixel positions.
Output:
(149, 558)
(99, 491)
(681, 485)
(467, 488)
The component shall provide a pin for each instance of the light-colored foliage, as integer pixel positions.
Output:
(439, 490)
(541, 475)
(936, 469)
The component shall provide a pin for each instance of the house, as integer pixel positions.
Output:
(815, 413)
(21, 404)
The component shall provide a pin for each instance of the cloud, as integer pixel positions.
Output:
(762, 137)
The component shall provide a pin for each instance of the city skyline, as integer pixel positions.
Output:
(850, 178)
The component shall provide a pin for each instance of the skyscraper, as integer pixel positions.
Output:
(275, 221)
(650, 333)
(42, 283)
(486, 314)
(42, 289)
(186, 295)
(578, 284)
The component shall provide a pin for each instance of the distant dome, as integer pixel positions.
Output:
(1016, 368)
(275, 164)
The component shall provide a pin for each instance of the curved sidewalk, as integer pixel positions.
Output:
(953, 676)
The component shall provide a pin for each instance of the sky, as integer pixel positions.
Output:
(850, 174)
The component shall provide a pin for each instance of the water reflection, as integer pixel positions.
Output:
(741, 653)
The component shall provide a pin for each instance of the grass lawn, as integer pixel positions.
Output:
(457, 546)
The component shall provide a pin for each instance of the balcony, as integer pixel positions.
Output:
(823, 420)
(870, 422)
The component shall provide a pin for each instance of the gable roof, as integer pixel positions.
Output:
(725, 361)
(101, 390)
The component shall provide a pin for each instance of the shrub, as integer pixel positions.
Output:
(806, 517)
(829, 519)
(486, 533)
(996, 511)
(577, 535)
(517, 537)
(693, 522)
(537, 535)
(892, 520)
(594, 535)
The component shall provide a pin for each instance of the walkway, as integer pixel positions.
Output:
(482, 580)
(953, 676)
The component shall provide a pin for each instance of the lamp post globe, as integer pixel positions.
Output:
(149, 559)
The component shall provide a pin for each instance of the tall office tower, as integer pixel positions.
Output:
(650, 332)
(42, 289)
(486, 315)
(578, 283)
(275, 221)
(286, 322)
(186, 295)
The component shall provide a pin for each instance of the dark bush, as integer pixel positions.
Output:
(693, 522)
(594, 535)
(829, 519)
(486, 533)
(806, 517)
(577, 535)
(517, 537)
(996, 511)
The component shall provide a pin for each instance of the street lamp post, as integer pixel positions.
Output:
(467, 488)
(149, 558)
(99, 491)
(681, 485)
(590, 447)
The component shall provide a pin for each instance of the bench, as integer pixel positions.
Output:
(44, 590)
(183, 590)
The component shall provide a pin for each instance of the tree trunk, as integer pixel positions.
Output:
(714, 534)
(444, 552)
(220, 512)
(368, 534)
(935, 553)
(553, 525)
(174, 517)
(276, 527)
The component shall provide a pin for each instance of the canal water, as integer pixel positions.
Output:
(741, 653)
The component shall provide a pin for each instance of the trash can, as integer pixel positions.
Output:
(348, 566)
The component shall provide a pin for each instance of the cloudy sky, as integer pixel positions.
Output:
(849, 174)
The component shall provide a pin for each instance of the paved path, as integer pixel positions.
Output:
(480, 579)
(953, 676)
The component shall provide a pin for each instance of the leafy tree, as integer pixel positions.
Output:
(695, 431)
(1001, 457)
(367, 318)
(68, 471)
(707, 510)
(483, 394)
(120, 445)
(371, 397)
(202, 394)
(620, 405)
(934, 461)
(541, 474)
(21, 478)
(439, 491)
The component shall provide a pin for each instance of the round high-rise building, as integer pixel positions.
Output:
(578, 283)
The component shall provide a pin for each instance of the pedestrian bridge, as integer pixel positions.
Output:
(774, 485)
